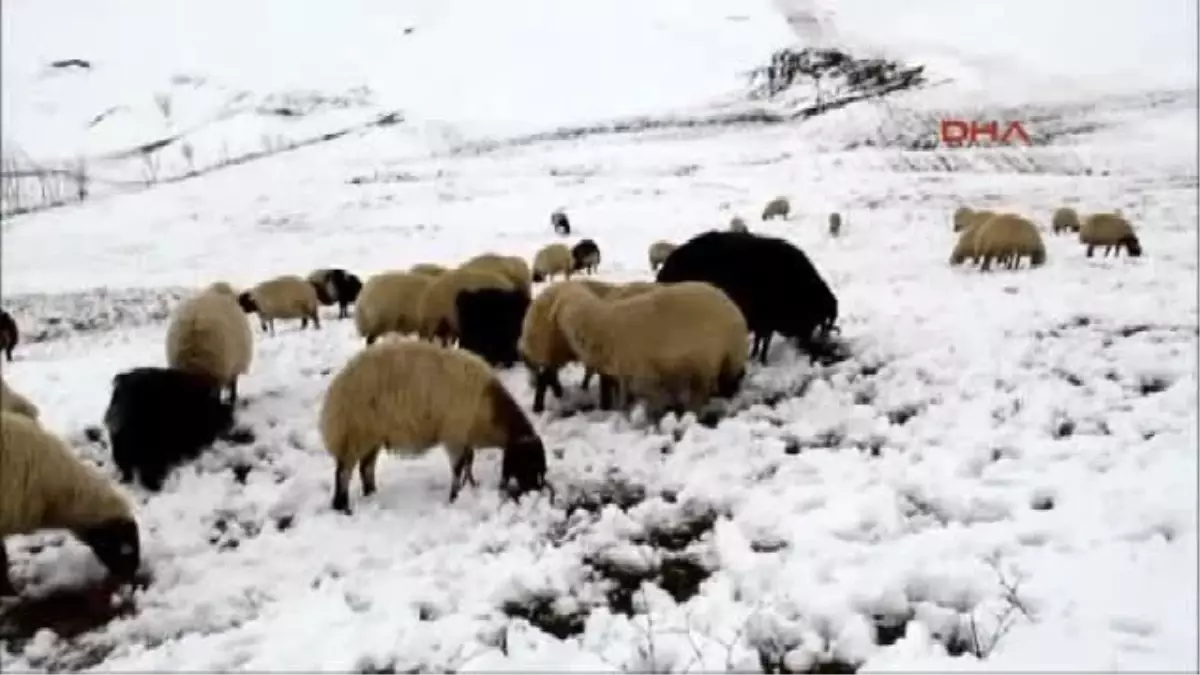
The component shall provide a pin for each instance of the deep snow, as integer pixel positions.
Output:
(1035, 429)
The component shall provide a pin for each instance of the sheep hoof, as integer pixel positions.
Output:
(341, 503)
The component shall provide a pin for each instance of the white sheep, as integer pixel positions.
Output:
(285, 297)
(390, 302)
(542, 344)
(513, 268)
(658, 253)
(44, 486)
(408, 397)
(438, 311)
(678, 343)
(209, 335)
(550, 260)
(13, 401)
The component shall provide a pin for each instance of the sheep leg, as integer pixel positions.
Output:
(460, 467)
(587, 377)
(1089, 250)
(8, 353)
(608, 387)
(343, 310)
(341, 487)
(303, 322)
(316, 320)
(366, 472)
(6, 584)
(263, 323)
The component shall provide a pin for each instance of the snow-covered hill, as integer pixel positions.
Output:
(1002, 475)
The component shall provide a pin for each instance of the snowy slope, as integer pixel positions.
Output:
(1004, 466)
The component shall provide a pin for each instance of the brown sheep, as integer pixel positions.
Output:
(1007, 238)
(209, 335)
(1065, 219)
(513, 268)
(438, 310)
(429, 269)
(552, 259)
(14, 402)
(390, 302)
(285, 297)
(1111, 231)
(962, 218)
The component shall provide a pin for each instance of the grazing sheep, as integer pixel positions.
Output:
(772, 282)
(8, 334)
(410, 396)
(835, 224)
(438, 310)
(489, 323)
(513, 268)
(336, 285)
(390, 302)
(44, 486)
(558, 220)
(1066, 219)
(965, 246)
(542, 345)
(550, 260)
(159, 417)
(286, 297)
(209, 335)
(12, 401)
(586, 256)
(738, 225)
(677, 344)
(962, 218)
(429, 269)
(1112, 231)
(659, 251)
(780, 206)
(1008, 237)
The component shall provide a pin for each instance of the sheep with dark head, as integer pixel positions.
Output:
(1110, 231)
(158, 418)
(285, 297)
(558, 220)
(408, 397)
(43, 486)
(586, 256)
(8, 334)
(489, 323)
(550, 260)
(336, 285)
(771, 281)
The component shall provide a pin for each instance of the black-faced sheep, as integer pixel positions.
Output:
(736, 224)
(44, 486)
(550, 260)
(1007, 238)
(158, 418)
(408, 397)
(285, 297)
(513, 268)
(390, 302)
(209, 335)
(562, 226)
(835, 224)
(586, 256)
(676, 345)
(542, 345)
(962, 218)
(1065, 219)
(429, 269)
(489, 323)
(779, 207)
(12, 401)
(772, 282)
(438, 312)
(658, 253)
(8, 334)
(1111, 231)
(336, 286)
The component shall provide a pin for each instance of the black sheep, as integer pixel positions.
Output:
(159, 417)
(558, 220)
(8, 334)
(769, 279)
(489, 323)
(585, 256)
(336, 285)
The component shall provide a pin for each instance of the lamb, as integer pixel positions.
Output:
(1112, 231)
(160, 417)
(428, 269)
(489, 323)
(659, 251)
(772, 282)
(542, 345)
(513, 268)
(738, 225)
(390, 302)
(285, 297)
(679, 343)
(835, 224)
(209, 335)
(411, 396)
(1065, 219)
(12, 401)
(44, 486)
(586, 256)
(550, 260)
(780, 206)
(962, 218)
(438, 310)
(8, 334)
(558, 220)
(1007, 237)
(336, 285)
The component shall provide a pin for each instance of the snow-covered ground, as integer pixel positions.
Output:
(1004, 467)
